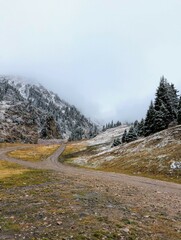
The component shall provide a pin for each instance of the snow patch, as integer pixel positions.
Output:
(175, 165)
(108, 136)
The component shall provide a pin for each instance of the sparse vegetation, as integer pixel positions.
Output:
(154, 164)
(8, 169)
(65, 207)
(14, 175)
(38, 204)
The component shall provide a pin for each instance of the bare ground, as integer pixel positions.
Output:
(77, 203)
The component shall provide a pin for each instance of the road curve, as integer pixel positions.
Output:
(52, 163)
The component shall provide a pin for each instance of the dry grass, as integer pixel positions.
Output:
(72, 148)
(34, 153)
(8, 169)
(3, 145)
(154, 164)
(150, 161)
(75, 150)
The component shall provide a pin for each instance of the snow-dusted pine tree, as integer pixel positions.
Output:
(179, 112)
(149, 120)
(166, 104)
(124, 136)
(164, 110)
(131, 135)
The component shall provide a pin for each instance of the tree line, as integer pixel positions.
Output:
(163, 112)
(111, 125)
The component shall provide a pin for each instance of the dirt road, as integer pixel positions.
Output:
(52, 163)
(87, 204)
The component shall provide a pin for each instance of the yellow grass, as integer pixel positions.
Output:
(2, 145)
(72, 148)
(148, 162)
(34, 153)
(8, 169)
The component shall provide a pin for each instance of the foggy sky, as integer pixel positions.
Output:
(104, 56)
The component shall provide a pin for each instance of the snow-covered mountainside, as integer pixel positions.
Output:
(29, 111)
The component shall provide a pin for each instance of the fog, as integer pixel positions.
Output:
(105, 57)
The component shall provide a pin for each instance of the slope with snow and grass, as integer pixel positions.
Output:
(156, 156)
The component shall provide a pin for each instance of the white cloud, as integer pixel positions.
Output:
(104, 56)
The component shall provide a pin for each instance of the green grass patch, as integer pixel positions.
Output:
(7, 225)
(27, 178)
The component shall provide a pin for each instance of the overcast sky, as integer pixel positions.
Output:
(104, 56)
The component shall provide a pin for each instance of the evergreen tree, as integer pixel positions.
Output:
(111, 125)
(136, 125)
(124, 136)
(179, 112)
(77, 134)
(174, 100)
(131, 136)
(160, 119)
(116, 142)
(166, 104)
(149, 121)
(118, 124)
(104, 128)
(140, 131)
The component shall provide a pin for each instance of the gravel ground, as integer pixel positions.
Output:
(77, 203)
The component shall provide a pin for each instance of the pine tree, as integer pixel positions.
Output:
(116, 142)
(166, 104)
(131, 136)
(149, 121)
(136, 125)
(140, 131)
(179, 112)
(124, 136)
(118, 123)
(174, 100)
(160, 119)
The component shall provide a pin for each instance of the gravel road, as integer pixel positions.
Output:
(52, 163)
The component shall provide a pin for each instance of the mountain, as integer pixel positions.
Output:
(29, 111)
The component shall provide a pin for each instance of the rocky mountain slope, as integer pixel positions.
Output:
(29, 111)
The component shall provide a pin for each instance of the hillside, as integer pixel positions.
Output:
(154, 156)
(29, 111)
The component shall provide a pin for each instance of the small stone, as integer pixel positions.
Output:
(109, 206)
(126, 230)
(59, 223)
